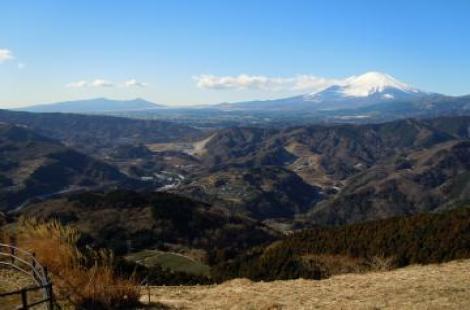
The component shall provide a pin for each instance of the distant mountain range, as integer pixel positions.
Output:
(371, 97)
(98, 105)
(366, 98)
(91, 134)
(357, 91)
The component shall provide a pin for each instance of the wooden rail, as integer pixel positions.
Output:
(26, 263)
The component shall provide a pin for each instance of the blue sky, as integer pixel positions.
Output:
(193, 52)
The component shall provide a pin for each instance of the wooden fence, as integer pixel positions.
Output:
(26, 263)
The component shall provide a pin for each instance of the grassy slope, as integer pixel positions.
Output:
(171, 261)
(445, 286)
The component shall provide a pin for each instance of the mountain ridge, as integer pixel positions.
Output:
(34, 166)
(94, 105)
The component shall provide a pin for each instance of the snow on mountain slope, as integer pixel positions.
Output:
(364, 90)
(365, 85)
(373, 82)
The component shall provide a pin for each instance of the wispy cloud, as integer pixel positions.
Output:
(261, 82)
(6, 54)
(105, 83)
(101, 83)
(77, 84)
(134, 83)
(313, 83)
(242, 81)
(94, 83)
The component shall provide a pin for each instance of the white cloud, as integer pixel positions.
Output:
(244, 81)
(101, 83)
(134, 83)
(313, 83)
(105, 83)
(78, 84)
(94, 83)
(5, 55)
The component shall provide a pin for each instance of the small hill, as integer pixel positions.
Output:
(127, 221)
(261, 193)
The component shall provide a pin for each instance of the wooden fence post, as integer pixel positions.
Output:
(33, 260)
(24, 299)
(51, 296)
(148, 290)
(12, 252)
(33, 263)
(46, 274)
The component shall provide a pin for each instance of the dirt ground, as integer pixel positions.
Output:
(444, 286)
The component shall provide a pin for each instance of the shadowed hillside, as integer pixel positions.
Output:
(35, 166)
(126, 221)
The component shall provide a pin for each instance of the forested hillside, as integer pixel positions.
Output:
(320, 252)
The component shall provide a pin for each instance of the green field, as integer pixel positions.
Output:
(171, 261)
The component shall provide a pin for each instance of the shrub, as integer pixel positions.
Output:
(85, 279)
(382, 263)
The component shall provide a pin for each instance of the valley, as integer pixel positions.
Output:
(196, 202)
(287, 175)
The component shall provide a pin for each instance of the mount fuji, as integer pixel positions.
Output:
(367, 89)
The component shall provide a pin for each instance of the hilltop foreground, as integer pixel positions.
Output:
(443, 286)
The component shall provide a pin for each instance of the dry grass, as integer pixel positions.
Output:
(85, 280)
(13, 280)
(445, 286)
(381, 263)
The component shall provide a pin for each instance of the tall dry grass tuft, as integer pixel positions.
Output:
(382, 263)
(86, 280)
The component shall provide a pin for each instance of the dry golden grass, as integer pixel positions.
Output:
(78, 279)
(445, 286)
(13, 280)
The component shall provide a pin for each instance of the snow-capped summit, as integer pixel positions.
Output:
(373, 82)
(366, 85)
(368, 88)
